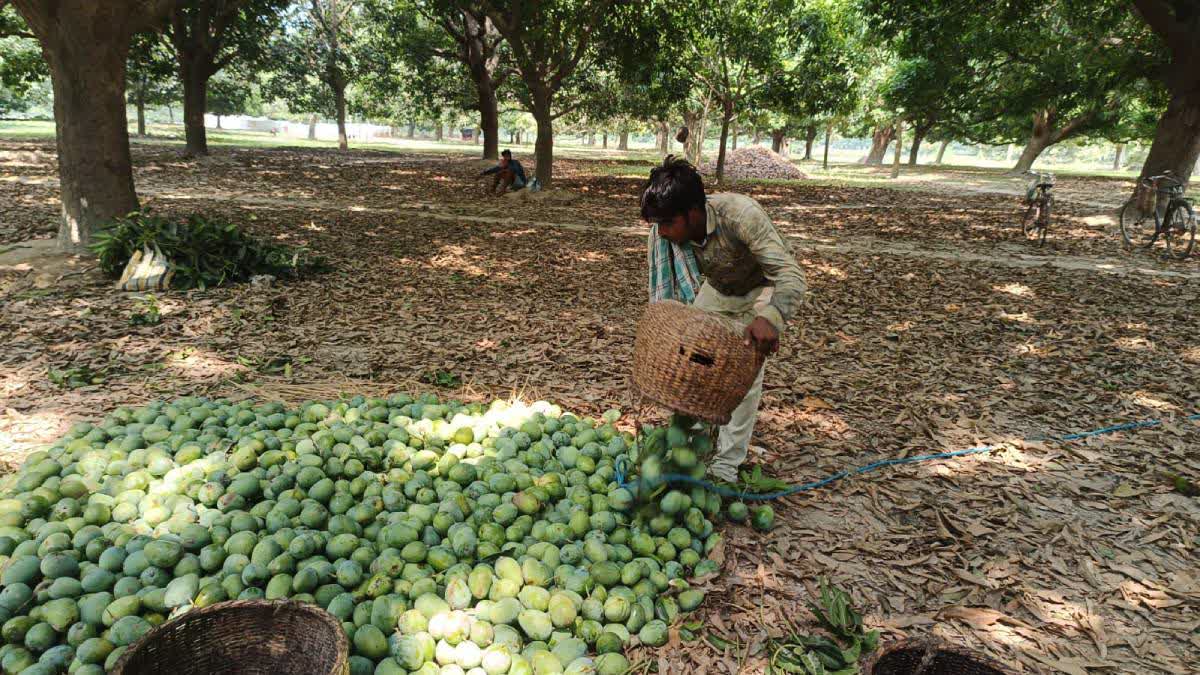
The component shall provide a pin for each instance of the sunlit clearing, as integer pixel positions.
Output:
(13, 380)
(314, 227)
(1191, 354)
(454, 257)
(1018, 317)
(1148, 400)
(515, 233)
(19, 431)
(1029, 349)
(1134, 344)
(165, 306)
(594, 256)
(199, 364)
(831, 270)
(1019, 290)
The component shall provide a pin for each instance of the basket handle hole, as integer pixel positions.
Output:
(699, 357)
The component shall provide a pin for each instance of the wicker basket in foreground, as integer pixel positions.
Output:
(692, 362)
(264, 637)
(931, 657)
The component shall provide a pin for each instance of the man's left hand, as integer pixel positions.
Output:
(762, 335)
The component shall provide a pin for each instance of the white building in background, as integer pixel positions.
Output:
(325, 131)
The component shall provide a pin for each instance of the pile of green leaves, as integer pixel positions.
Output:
(75, 376)
(835, 654)
(204, 251)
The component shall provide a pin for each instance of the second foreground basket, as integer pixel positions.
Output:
(264, 637)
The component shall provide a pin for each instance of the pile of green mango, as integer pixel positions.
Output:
(448, 539)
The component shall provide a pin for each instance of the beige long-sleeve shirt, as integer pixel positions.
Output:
(744, 251)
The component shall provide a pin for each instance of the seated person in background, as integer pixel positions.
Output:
(508, 173)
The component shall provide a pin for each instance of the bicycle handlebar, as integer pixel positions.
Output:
(1040, 177)
(1152, 181)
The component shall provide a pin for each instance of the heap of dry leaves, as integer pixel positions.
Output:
(755, 162)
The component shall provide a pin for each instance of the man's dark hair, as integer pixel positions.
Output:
(674, 188)
(507, 153)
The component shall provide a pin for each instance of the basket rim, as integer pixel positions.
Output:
(343, 646)
(940, 644)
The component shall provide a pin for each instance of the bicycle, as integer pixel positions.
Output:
(1176, 226)
(1039, 199)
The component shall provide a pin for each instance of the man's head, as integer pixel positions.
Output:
(674, 200)
(505, 157)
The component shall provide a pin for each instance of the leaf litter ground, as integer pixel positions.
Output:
(930, 326)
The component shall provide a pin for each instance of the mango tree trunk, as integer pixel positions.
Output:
(489, 117)
(195, 102)
(825, 159)
(339, 104)
(942, 152)
(86, 45)
(880, 139)
(896, 157)
(1176, 145)
(777, 141)
(726, 118)
(140, 101)
(543, 146)
(810, 135)
(919, 133)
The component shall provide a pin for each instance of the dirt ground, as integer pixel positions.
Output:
(931, 325)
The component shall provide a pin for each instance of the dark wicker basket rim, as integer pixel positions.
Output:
(927, 643)
(276, 606)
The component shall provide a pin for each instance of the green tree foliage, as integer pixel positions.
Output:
(413, 69)
(315, 57)
(150, 76)
(444, 55)
(553, 47)
(1036, 70)
(209, 35)
(21, 64)
(1175, 25)
(819, 79)
(229, 93)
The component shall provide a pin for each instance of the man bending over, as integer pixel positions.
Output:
(751, 277)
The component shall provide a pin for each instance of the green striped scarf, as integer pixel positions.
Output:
(674, 274)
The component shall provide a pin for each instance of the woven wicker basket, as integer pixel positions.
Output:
(691, 362)
(931, 657)
(264, 637)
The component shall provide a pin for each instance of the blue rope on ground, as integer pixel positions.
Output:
(845, 473)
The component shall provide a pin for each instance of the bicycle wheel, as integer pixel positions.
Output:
(1138, 228)
(1029, 224)
(1180, 230)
